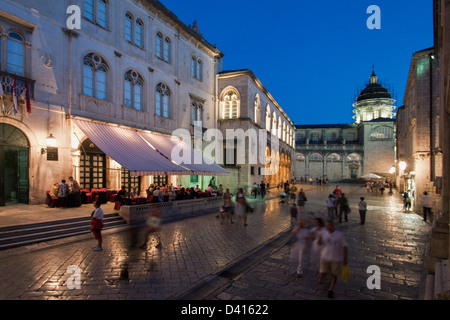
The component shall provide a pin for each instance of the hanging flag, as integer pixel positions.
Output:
(1, 90)
(27, 98)
(15, 97)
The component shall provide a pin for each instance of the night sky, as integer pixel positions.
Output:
(314, 56)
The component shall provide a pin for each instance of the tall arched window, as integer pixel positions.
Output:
(274, 124)
(129, 21)
(268, 118)
(15, 54)
(196, 68)
(257, 109)
(162, 100)
(139, 33)
(133, 90)
(230, 105)
(159, 45)
(196, 112)
(134, 30)
(167, 46)
(95, 71)
(279, 128)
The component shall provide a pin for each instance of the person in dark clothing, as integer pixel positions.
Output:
(343, 207)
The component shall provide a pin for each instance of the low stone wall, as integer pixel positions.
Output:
(137, 214)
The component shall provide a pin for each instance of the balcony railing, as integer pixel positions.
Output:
(7, 82)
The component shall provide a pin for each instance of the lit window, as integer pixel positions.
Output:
(133, 90)
(196, 112)
(230, 105)
(94, 76)
(162, 100)
(268, 119)
(15, 54)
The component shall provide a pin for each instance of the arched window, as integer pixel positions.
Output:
(334, 157)
(162, 100)
(97, 12)
(274, 124)
(196, 68)
(301, 157)
(315, 157)
(133, 90)
(159, 45)
(353, 157)
(257, 109)
(129, 21)
(15, 54)
(139, 33)
(284, 137)
(167, 46)
(382, 133)
(230, 105)
(196, 112)
(268, 119)
(95, 71)
(280, 128)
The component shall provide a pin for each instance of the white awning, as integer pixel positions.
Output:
(196, 161)
(127, 148)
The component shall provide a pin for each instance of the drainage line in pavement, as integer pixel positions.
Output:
(206, 288)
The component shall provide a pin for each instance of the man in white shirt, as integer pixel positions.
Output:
(426, 204)
(333, 255)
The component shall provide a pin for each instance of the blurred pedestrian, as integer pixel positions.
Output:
(153, 227)
(242, 207)
(301, 200)
(97, 225)
(294, 213)
(426, 204)
(227, 206)
(292, 193)
(362, 205)
(343, 207)
(301, 245)
(330, 207)
(316, 248)
(262, 187)
(333, 255)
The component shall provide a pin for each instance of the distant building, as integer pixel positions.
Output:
(349, 151)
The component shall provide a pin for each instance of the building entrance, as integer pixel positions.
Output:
(14, 165)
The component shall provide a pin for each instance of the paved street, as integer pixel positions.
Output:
(198, 251)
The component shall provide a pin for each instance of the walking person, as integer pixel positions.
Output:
(301, 200)
(262, 187)
(426, 204)
(316, 248)
(330, 206)
(343, 207)
(302, 235)
(255, 189)
(294, 213)
(97, 225)
(242, 207)
(333, 255)
(227, 206)
(153, 226)
(293, 193)
(362, 205)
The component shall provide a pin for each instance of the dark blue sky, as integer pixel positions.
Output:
(313, 56)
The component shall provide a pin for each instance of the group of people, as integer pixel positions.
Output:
(69, 195)
(310, 180)
(240, 209)
(379, 186)
(328, 248)
(260, 189)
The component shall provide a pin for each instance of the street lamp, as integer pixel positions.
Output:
(402, 165)
(51, 143)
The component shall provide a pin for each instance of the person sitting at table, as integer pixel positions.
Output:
(211, 191)
(134, 193)
(53, 194)
(197, 189)
(121, 195)
(181, 195)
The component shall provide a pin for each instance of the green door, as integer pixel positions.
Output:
(22, 176)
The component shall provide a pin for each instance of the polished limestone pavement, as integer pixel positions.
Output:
(201, 258)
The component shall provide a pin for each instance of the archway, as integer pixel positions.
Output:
(14, 165)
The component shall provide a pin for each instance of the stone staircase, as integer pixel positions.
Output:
(22, 235)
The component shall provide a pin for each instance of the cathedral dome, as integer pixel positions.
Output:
(374, 90)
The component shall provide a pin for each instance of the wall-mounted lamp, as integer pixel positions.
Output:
(402, 165)
(51, 142)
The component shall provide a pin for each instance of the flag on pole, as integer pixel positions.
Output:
(15, 97)
(27, 98)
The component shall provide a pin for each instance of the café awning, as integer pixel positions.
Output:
(195, 161)
(144, 153)
(127, 148)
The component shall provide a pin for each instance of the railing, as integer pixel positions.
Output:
(137, 214)
(7, 82)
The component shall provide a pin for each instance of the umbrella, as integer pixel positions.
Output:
(371, 176)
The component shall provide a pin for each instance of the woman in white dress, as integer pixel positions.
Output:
(316, 247)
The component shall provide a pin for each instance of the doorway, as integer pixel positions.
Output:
(14, 165)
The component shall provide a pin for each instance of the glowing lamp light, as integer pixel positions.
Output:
(392, 170)
(51, 141)
(402, 165)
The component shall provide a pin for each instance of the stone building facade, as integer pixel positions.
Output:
(132, 64)
(349, 151)
(244, 103)
(418, 127)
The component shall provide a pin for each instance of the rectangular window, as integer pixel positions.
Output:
(101, 85)
(137, 97)
(139, 35)
(158, 104)
(102, 14)
(127, 94)
(15, 58)
(89, 9)
(128, 30)
(88, 81)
